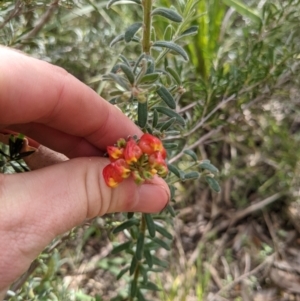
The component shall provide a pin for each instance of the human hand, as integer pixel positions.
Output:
(50, 106)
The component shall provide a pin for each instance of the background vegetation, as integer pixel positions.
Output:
(242, 106)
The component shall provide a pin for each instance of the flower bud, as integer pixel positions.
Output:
(122, 168)
(132, 152)
(115, 153)
(111, 176)
(137, 177)
(150, 144)
(157, 162)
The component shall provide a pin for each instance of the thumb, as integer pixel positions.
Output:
(39, 205)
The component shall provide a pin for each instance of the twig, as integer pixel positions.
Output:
(14, 12)
(42, 22)
(267, 262)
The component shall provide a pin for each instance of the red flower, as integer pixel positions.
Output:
(112, 176)
(132, 152)
(157, 162)
(150, 144)
(115, 153)
(122, 168)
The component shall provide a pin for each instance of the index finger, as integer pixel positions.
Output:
(33, 91)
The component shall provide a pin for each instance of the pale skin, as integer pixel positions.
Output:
(52, 107)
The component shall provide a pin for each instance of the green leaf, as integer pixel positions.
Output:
(172, 46)
(213, 184)
(140, 246)
(163, 231)
(168, 33)
(111, 2)
(174, 74)
(150, 224)
(209, 166)
(159, 262)
(140, 296)
(166, 96)
(161, 243)
(170, 113)
(190, 31)
(171, 210)
(131, 31)
(128, 72)
(172, 191)
(155, 119)
(242, 9)
(149, 286)
(168, 124)
(133, 288)
(117, 39)
(170, 146)
(149, 78)
(129, 223)
(192, 175)
(133, 265)
(191, 154)
(167, 13)
(124, 246)
(122, 272)
(119, 80)
(142, 114)
(148, 258)
(178, 173)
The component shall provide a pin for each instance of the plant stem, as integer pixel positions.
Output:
(147, 24)
(137, 269)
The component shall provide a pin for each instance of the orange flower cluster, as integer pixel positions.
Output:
(141, 159)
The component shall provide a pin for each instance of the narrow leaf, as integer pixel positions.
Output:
(119, 80)
(159, 262)
(140, 296)
(129, 223)
(178, 173)
(128, 72)
(166, 96)
(117, 39)
(131, 31)
(170, 113)
(167, 13)
(133, 288)
(171, 210)
(162, 243)
(191, 154)
(209, 166)
(192, 175)
(242, 9)
(140, 246)
(174, 74)
(172, 46)
(213, 184)
(121, 247)
(168, 33)
(190, 31)
(150, 225)
(150, 286)
(167, 124)
(163, 232)
(142, 114)
(148, 258)
(149, 78)
(133, 265)
(155, 119)
(122, 272)
(170, 146)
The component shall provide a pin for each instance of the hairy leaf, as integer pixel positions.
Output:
(172, 46)
(167, 13)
